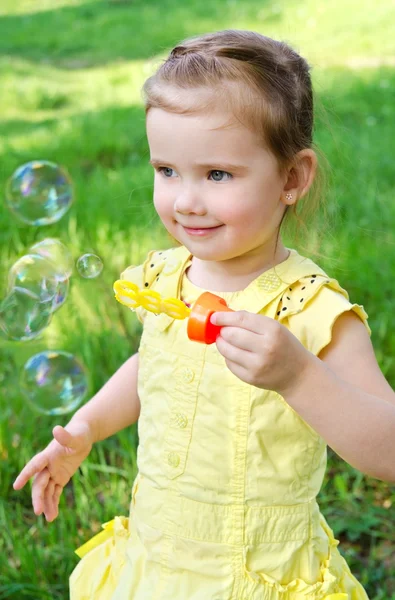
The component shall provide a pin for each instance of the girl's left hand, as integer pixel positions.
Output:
(261, 351)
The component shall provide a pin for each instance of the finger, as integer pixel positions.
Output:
(55, 503)
(241, 338)
(241, 318)
(64, 437)
(39, 484)
(240, 371)
(57, 493)
(35, 465)
(48, 500)
(233, 354)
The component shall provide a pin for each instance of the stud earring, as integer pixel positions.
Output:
(288, 196)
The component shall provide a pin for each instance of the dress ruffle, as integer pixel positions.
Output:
(336, 581)
(103, 557)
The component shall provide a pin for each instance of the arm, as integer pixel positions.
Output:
(115, 406)
(344, 396)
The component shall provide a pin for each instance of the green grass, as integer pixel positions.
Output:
(70, 78)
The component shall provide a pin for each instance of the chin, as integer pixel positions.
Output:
(207, 253)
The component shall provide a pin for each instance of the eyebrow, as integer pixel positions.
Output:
(223, 166)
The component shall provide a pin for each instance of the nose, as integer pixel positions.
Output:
(189, 201)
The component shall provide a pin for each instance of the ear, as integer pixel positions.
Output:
(300, 176)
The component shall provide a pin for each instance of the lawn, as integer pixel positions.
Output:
(70, 79)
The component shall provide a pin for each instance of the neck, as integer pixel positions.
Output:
(234, 274)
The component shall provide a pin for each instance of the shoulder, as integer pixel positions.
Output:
(313, 305)
(156, 262)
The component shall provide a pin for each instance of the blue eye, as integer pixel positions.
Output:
(219, 175)
(166, 171)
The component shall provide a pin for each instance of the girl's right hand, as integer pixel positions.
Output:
(53, 467)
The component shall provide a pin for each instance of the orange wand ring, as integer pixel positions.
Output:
(200, 328)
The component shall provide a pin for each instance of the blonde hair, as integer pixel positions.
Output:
(266, 85)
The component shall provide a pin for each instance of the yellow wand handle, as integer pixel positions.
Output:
(129, 294)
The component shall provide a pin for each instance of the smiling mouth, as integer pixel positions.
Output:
(200, 230)
(197, 226)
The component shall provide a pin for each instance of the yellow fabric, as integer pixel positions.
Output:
(224, 503)
(99, 538)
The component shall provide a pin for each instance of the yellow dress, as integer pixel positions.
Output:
(224, 503)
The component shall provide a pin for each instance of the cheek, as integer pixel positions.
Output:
(162, 200)
(232, 215)
(238, 213)
(157, 201)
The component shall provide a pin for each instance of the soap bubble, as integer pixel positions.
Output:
(39, 192)
(61, 260)
(89, 266)
(56, 252)
(22, 317)
(62, 293)
(36, 289)
(54, 382)
(34, 275)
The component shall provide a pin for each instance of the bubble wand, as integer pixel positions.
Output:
(199, 328)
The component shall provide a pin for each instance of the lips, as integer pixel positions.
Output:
(199, 228)
(200, 231)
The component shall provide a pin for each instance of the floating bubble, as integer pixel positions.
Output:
(36, 289)
(89, 266)
(57, 253)
(39, 192)
(22, 317)
(54, 382)
(34, 275)
(61, 260)
(60, 298)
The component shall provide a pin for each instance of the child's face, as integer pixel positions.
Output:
(216, 190)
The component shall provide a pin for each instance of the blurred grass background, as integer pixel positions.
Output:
(70, 78)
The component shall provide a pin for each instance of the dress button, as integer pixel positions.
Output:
(180, 420)
(188, 375)
(173, 459)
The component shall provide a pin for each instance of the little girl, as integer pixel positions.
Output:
(233, 435)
